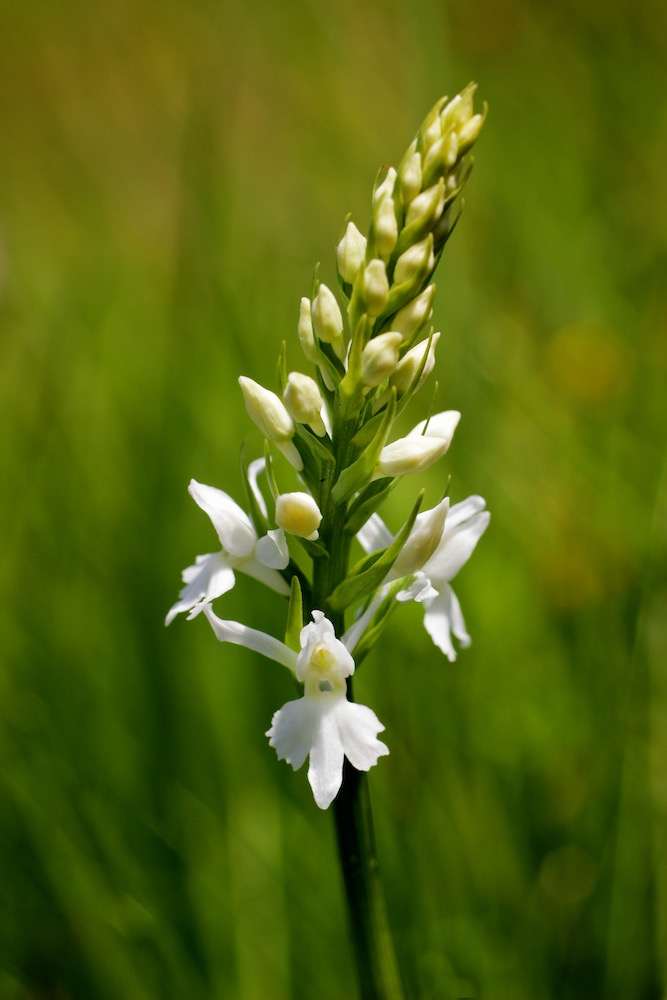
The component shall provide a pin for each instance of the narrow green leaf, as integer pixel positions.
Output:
(294, 616)
(368, 501)
(357, 475)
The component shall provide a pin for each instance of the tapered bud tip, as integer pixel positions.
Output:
(421, 356)
(303, 401)
(380, 357)
(417, 260)
(350, 253)
(266, 410)
(375, 287)
(305, 331)
(385, 226)
(298, 514)
(328, 319)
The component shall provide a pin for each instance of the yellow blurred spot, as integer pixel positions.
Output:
(590, 362)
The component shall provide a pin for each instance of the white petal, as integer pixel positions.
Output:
(251, 638)
(374, 534)
(358, 727)
(210, 577)
(325, 773)
(272, 549)
(293, 729)
(457, 622)
(419, 590)
(443, 616)
(235, 531)
(437, 623)
(269, 577)
(456, 547)
(440, 425)
(255, 469)
(463, 510)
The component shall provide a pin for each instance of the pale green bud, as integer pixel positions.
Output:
(273, 420)
(303, 401)
(385, 226)
(411, 178)
(305, 331)
(468, 133)
(410, 364)
(451, 149)
(386, 189)
(417, 259)
(413, 317)
(458, 111)
(328, 319)
(351, 253)
(427, 207)
(375, 287)
(380, 357)
(298, 514)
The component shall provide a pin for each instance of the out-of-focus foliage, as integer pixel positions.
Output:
(169, 174)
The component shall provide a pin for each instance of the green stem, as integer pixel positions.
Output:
(378, 973)
(377, 969)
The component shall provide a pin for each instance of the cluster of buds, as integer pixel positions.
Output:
(370, 352)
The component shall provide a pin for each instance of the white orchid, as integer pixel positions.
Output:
(460, 530)
(213, 575)
(322, 725)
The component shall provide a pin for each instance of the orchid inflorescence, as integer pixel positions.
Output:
(335, 428)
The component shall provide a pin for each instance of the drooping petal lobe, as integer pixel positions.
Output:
(358, 727)
(210, 577)
(442, 616)
(325, 773)
(293, 729)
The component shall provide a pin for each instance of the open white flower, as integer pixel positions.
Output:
(466, 523)
(459, 532)
(213, 575)
(322, 725)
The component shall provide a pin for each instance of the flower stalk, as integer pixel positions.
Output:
(319, 540)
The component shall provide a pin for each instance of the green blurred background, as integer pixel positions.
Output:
(169, 175)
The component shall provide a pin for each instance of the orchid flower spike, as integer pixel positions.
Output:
(213, 575)
(322, 725)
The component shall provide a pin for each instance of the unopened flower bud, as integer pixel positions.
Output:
(458, 111)
(303, 400)
(386, 188)
(305, 331)
(417, 260)
(409, 455)
(375, 287)
(440, 425)
(411, 178)
(273, 420)
(468, 133)
(298, 514)
(410, 364)
(351, 253)
(328, 319)
(427, 207)
(451, 149)
(380, 357)
(411, 319)
(418, 450)
(385, 226)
